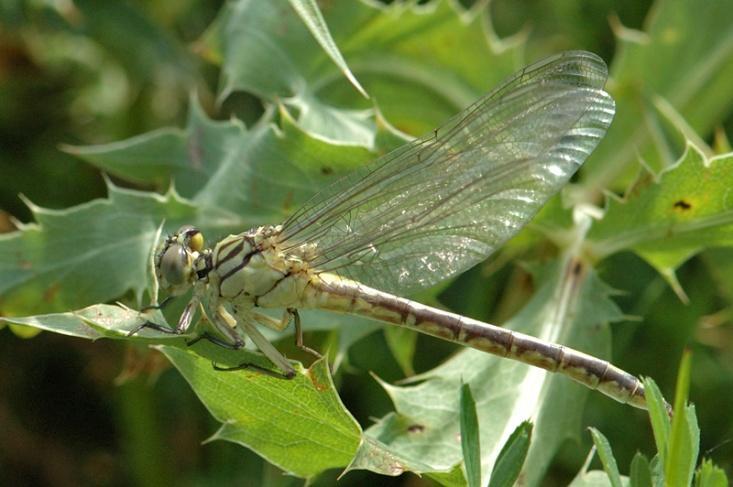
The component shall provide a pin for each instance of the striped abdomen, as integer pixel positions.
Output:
(333, 293)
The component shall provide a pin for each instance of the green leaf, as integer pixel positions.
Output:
(402, 343)
(300, 425)
(260, 400)
(658, 416)
(606, 455)
(511, 457)
(668, 60)
(669, 220)
(380, 458)
(640, 474)
(470, 434)
(425, 426)
(98, 321)
(226, 168)
(348, 335)
(188, 157)
(709, 475)
(719, 264)
(92, 253)
(594, 478)
(684, 436)
(313, 19)
(403, 53)
(143, 47)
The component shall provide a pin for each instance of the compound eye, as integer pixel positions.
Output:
(196, 241)
(174, 265)
(191, 237)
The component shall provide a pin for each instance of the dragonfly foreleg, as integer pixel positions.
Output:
(183, 323)
(152, 326)
(160, 305)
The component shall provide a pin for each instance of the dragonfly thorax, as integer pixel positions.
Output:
(251, 269)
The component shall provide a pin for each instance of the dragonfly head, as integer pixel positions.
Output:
(176, 258)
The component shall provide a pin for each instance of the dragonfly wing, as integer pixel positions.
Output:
(445, 201)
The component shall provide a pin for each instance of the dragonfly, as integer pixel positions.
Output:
(418, 215)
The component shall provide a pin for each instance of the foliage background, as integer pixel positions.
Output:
(81, 73)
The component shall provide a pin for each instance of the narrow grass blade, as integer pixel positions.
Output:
(511, 457)
(470, 442)
(607, 459)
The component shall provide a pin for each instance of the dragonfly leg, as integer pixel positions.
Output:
(183, 323)
(152, 326)
(232, 342)
(278, 359)
(257, 368)
(270, 322)
(299, 333)
(160, 305)
(217, 341)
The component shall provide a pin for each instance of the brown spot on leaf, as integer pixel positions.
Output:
(51, 292)
(288, 201)
(314, 380)
(6, 224)
(682, 205)
(415, 428)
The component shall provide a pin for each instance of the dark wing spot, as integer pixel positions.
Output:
(682, 205)
(326, 170)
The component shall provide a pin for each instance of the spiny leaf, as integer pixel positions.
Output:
(425, 424)
(92, 253)
(403, 53)
(98, 321)
(668, 59)
(238, 177)
(313, 19)
(299, 424)
(670, 219)
(188, 157)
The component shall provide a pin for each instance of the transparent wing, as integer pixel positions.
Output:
(443, 202)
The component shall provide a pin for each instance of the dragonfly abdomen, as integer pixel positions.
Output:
(336, 294)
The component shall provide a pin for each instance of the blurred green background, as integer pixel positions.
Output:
(73, 412)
